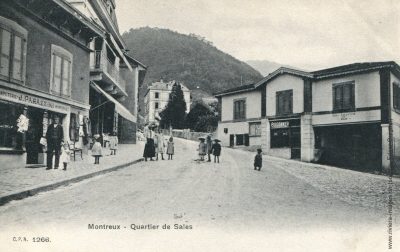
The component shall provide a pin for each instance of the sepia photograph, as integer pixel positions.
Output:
(199, 125)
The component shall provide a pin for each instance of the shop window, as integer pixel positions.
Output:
(343, 96)
(280, 138)
(240, 139)
(396, 96)
(284, 102)
(61, 74)
(9, 114)
(12, 51)
(239, 109)
(255, 129)
(156, 95)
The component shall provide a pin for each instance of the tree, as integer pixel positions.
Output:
(206, 123)
(198, 110)
(175, 111)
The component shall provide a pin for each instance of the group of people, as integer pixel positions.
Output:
(207, 147)
(60, 149)
(156, 144)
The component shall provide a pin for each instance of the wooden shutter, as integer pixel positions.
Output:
(5, 49)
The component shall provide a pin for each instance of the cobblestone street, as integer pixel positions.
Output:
(286, 199)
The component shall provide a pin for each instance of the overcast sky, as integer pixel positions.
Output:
(308, 34)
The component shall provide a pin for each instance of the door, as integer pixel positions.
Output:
(246, 140)
(231, 140)
(295, 146)
(33, 135)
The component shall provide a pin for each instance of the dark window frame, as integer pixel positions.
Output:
(396, 96)
(284, 102)
(239, 109)
(339, 101)
(156, 95)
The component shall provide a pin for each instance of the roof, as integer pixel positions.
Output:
(354, 68)
(283, 70)
(165, 86)
(135, 61)
(343, 70)
(235, 90)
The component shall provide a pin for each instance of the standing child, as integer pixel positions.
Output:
(202, 148)
(170, 148)
(216, 150)
(258, 160)
(96, 149)
(160, 145)
(65, 155)
(114, 143)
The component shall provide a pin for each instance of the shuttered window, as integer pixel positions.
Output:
(12, 53)
(343, 96)
(239, 109)
(284, 102)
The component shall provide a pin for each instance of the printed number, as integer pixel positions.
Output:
(41, 239)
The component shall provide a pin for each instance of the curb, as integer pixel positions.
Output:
(30, 192)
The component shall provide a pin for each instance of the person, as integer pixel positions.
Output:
(258, 160)
(216, 150)
(113, 143)
(202, 148)
(170, 148)
(65, 155)
(149, 149)
(160, 145)
(96, 149)
(209, 147)
(54, 137)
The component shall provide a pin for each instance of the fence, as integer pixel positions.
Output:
(187, 134)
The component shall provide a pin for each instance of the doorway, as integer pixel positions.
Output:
(33, 135)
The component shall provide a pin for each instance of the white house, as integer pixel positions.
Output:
(157, 96)
(347, 116)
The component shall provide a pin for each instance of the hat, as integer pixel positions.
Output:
(259, 150)
(97, 136)
(200, 138)
(217, 140)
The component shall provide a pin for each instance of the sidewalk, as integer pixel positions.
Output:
(18, 183)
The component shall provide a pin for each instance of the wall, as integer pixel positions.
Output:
(38, 57)
(285, 82)
(367, 91)
(253, 105)
(235, 128)
(396, 127)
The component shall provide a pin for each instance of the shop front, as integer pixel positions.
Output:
(355, 146)
(24, 119)
(285, 138)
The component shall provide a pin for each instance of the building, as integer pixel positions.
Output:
(114, 76)
(345, 116)
(44, 72)
(157, 97)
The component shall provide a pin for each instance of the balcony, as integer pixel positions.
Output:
(110, 72)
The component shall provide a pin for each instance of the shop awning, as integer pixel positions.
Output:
(121, 110)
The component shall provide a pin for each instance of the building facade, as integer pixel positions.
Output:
(157, 97)
(114, 76)
(344, 116)
(44, 72)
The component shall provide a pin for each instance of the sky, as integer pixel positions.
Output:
(307, 34)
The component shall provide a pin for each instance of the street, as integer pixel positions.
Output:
(205, 199)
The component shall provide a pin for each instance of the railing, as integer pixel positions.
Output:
(102, 63)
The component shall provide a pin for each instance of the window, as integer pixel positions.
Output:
(239, 109)
(284, 102)
(255, 129)
(12, 51)
(396, 96)
(240, 139)
(9, 114)
(156, 106)
(61, 65)
(156, 95)
(280, 138)
(343, 96)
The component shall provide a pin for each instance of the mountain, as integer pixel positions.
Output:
(190, 59)
(264, 66)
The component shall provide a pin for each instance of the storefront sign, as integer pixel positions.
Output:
(345, 116)
(280, 125)
(33, 101)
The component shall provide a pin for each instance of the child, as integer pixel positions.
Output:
(160, 145)
(113, 143)
(258, 160)
(96, 149)
(202, 149)
(216, 150)
(170, 148)
(65, 155)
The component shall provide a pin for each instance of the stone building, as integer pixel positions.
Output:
(346, 116)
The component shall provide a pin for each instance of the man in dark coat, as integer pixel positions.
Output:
(54, 136)
(216, 150)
